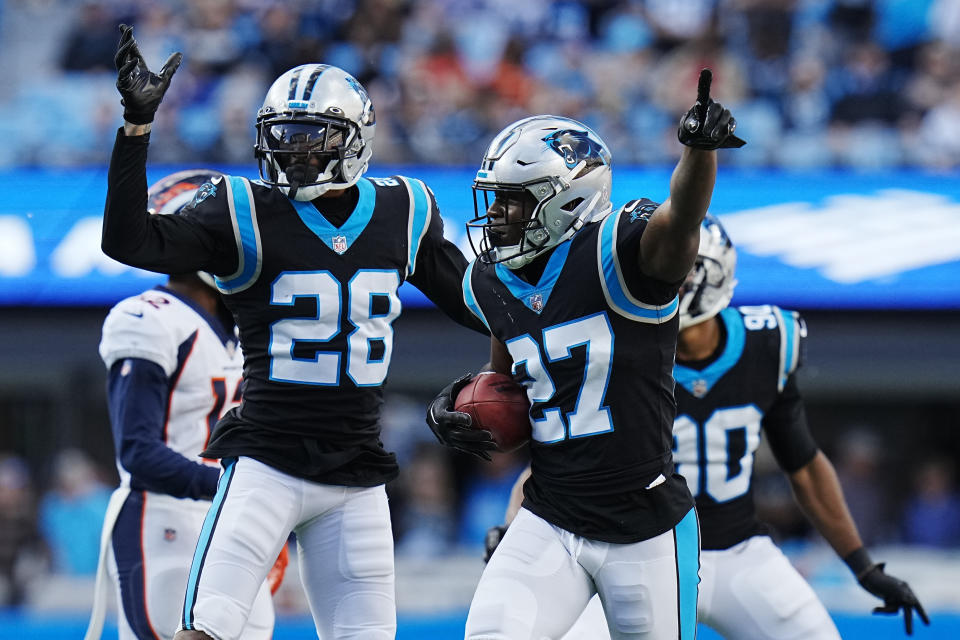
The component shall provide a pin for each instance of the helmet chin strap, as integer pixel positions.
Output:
(297, 175)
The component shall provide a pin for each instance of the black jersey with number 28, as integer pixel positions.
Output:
(315, 305)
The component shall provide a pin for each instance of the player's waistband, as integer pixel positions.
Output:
(647, 474)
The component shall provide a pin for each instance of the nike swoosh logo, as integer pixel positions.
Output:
(135, 315)
(659, 480)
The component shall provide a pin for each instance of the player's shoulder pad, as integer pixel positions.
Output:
(147, 326)
(389, 182)
(416, 185)
(783, 331)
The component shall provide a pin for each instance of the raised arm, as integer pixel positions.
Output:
(670, 242)
(169, 244)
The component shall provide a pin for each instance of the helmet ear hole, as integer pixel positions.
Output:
(572, 205)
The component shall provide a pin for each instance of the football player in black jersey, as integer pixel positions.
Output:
(736, 377)
(582, 306)
(309, 259)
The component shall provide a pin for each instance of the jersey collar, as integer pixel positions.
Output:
(339, 239)
(535, 296)
(699, 382)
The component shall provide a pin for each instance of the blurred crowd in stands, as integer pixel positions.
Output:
(813, 83)
(443, 502)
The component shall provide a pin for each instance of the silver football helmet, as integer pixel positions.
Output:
(557, 170)
(168, 195)
(314, 131)
(709, 286)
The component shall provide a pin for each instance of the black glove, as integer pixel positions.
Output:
(141, 90)
(492, 540)
(452, 428)
(708, 125)
(896, 593)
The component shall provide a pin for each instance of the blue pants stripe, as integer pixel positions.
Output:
(203, 543)
(686, 537)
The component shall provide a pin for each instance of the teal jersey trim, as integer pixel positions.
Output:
(789, 336)
(247, 233)
(535, 296)
(469, 298)
(419, 220)
(615, 288)
(339, 239)
(736, 337)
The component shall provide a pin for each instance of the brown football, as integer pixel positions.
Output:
(499, 405)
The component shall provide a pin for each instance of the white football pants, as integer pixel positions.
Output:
(344, 543)
(747, 592)
(541, 578)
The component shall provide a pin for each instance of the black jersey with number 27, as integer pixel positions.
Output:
(594, 341)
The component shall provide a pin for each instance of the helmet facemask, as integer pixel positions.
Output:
(512, 228)
(306, 152)
(314, 132)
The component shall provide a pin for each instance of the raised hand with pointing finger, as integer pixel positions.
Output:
(707, 125)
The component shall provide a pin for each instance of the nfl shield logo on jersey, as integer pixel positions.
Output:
(700, 388)
(536, 302)
(339, 244)
(169, 534)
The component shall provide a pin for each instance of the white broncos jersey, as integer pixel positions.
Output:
(205, 368)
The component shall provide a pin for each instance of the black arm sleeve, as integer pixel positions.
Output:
(439, 275)
(164, 243)
(785, 424)
(137, 400)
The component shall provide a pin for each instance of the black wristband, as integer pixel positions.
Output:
(859, 562)
(138, 117)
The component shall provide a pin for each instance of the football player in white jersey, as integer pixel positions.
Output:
(174, 367)
(735, 375)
